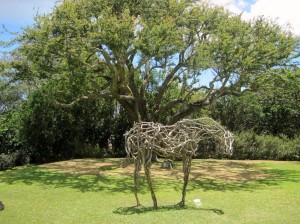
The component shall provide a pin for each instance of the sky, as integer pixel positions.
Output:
(285, 11)
(15, 14)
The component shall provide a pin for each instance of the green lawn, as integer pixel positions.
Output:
(235, 192)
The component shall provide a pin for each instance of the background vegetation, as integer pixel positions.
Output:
(77, 79)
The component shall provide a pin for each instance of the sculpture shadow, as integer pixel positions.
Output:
(166, 208)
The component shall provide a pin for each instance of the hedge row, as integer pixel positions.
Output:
(248, 145)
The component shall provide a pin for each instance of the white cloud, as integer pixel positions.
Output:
(242, 4)
(285, 11)
(229, 4)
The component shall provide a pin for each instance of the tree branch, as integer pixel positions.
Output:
(165, 108)
(162, 89)
(107, 58)
(90, 95)
(125, 97)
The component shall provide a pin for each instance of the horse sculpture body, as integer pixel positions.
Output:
(178, 141)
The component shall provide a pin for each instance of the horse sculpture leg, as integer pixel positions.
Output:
(148, 175)
(186, 162)
(137, 169)
(147, 165)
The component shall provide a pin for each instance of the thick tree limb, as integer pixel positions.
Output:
(168, 106)
(138, 96)
(162, 89)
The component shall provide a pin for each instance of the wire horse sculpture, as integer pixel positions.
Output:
(178, 141)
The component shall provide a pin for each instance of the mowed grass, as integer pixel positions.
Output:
(231, 192)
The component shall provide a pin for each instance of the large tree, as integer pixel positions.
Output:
(150, 56)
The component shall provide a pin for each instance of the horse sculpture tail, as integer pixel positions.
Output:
(128, 159)
(127, 147)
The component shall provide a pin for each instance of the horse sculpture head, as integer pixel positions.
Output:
(207, 129)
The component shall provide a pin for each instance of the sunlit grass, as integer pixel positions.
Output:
(39, 195)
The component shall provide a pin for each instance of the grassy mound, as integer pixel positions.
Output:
(99, 191)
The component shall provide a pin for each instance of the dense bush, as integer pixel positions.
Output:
(6, 161)
(274, 109)
(10, 160)
(9, 141)
(249, 145)
(91, 128)
(209, 148)
(119, 126)
(12, 152)
(52, 133)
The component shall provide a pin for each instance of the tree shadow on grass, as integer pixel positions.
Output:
(141, 210)
(33, 175)
(124, 183)
(278, 177)
(244, 182)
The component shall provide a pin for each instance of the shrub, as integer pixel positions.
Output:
(249, 145)
(6, 161)
(18, 158)
(209, 148)
(9, 160)
(92, 128)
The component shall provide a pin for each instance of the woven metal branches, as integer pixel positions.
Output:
(178, 141)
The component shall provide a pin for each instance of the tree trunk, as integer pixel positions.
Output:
(154, 157)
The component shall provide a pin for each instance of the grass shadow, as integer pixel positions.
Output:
(272, 176)
(124, 183)
(142, 210)
(34, 175)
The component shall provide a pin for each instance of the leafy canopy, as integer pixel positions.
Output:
(150, 56)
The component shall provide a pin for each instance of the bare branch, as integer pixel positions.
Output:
(125, 97)
(68, 105)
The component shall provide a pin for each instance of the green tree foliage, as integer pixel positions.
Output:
(239, 113)
(274, 109)
(12, 94)
(11, 99)
(280, 98)
(53, 133)
(137, 51)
